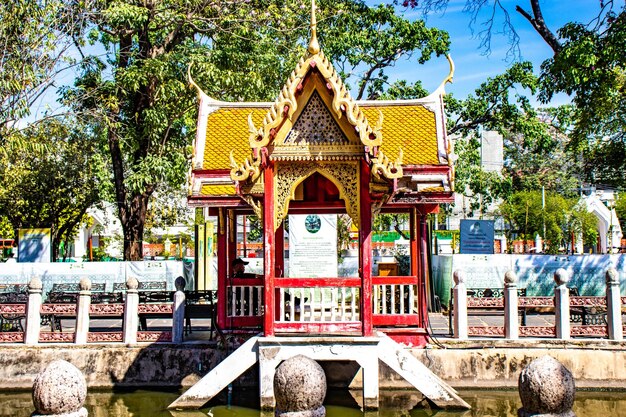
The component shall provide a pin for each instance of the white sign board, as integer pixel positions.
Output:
(34, 245)
(312, 245)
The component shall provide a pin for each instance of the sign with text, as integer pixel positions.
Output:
(312, 245)
(477, 236)
(34, 245)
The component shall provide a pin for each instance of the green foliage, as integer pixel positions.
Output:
(35, 36)
(560, 218)
(620, 210)
(52, 186)
(590, 67)
(369, 40)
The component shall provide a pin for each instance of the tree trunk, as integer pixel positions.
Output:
(133, 226)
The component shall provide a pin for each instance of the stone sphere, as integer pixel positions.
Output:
(132, 283)
(459, 276)
(300, 388)
(546, 387)
(510, 277)
(59, 389)
(561, 276)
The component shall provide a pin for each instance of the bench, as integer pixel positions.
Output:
(12, 296)
(486, 302)
(150, 292)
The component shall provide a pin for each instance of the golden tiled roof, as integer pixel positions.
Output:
(217, 190)
(410, 127)
(227, 129)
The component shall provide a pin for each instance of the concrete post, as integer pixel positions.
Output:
(511, 324)
(561, 304)
(178, 311)
(460, 305)
(82, 312)
(33, 311)
(614, 305)
(131, 311)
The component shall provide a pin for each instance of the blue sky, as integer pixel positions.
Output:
(472, 65)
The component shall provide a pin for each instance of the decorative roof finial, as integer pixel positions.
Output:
(314, 46)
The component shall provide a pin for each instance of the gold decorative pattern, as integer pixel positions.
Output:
(316, 126)
(251, 168)
(383, 167)
(256, 206)
(345, 175)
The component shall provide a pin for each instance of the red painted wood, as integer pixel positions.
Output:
(269, 250)
(196, 201)
(231, 231)
(222, 271)
(240, 322)
(279, 262)
(395, 280)
(319, 328)
(365, 236)
(317, 282)
(414, 243)
(212, 173)
(410, 339)
(396, 320)
(423, 302)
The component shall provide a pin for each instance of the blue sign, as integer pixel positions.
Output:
(477, 236)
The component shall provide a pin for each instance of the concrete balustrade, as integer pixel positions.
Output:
(82, 312)
(460, 305)
(131, 311)
(511, 326)
(562, 327)
(614, 305)
(33, 311)
(178, 311)
(561, 304)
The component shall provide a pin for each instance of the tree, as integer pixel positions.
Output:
(556, 221)
(587, 64)
(35, 36)
(370, 40)
(54, 185)
(239, 51)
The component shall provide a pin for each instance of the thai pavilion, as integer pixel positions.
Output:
(316, 151)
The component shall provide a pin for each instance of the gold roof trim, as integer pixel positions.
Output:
(342, 103)
(382, 166)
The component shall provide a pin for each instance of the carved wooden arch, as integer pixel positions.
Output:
(344, 175)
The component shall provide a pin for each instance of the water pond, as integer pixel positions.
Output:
(339, 404)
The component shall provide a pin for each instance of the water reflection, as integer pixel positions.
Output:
(340, 404)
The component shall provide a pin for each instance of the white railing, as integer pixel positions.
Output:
(568, 310)
(395, 299)
(83, 311)
(244, 301)
(319, 304)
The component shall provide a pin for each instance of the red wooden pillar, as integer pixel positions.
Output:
(415, 254)
(366, 250)
(222, 267)
(423, 301)
(269, 254)
(279, 258)
(231, 231)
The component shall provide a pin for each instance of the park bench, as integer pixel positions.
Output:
(13, 298)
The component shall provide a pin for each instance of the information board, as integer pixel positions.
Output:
(477, 237)
(312, 245)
